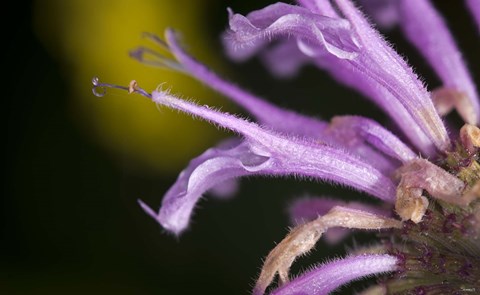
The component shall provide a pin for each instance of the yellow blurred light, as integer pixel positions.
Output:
(92, 38)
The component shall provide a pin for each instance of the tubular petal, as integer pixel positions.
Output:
(326, 278)
(386, 67)
(426, 29)
(354, 128)
(262, 153)
(377, 71)
(293, 155)
(213, 167)
(248, 34)
(266, 113)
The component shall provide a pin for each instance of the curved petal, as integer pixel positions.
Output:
(247, 34)
(213, 167)
(376, 71)
(385, 66)
(298, 155)
(266, 113)
(262, 153)
(425, 28)
(326, 278)
(356, 129)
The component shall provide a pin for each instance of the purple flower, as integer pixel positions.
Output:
(429, 183)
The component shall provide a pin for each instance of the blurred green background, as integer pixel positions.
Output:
(76, 164)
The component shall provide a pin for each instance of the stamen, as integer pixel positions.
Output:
(154, 58)
(304, 237)
(131, 88)
(155, 39)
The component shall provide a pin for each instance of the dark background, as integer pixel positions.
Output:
(70, 223)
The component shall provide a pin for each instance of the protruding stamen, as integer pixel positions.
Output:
(132, 88)
(304, 237)
(153, 58)
(155, 39)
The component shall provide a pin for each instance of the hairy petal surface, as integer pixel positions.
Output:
(386, 67)
(326, 278)
(214, 167)
(248, 34)
(270, 115)
(356, 128)
(426, 29)
(378, 72)
(263, 152)
(266, 113)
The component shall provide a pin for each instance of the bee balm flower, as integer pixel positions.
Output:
(429, 235)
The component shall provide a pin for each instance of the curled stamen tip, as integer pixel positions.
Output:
(96, 86)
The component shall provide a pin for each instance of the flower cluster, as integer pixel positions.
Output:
(429, 182)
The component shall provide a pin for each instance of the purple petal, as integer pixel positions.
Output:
(213, 167)
(311, 158)
(346, 73)
(426, 29)
(327, 277)
(390, 71)
(474, 6)
(377, 71)
(266, 113)
(356, 129)
(248, 34)
(321, 7)
(263, 152)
